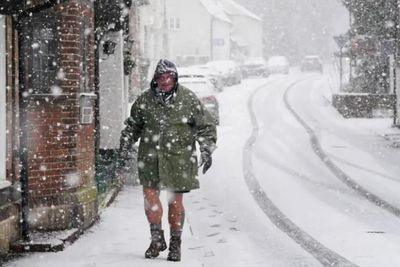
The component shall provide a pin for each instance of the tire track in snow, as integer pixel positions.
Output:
(339, 173)
(321, 253)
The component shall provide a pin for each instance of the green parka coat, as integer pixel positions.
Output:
(167, 154)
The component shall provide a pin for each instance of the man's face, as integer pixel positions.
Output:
(166, 81)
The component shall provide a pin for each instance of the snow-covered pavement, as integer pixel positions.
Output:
(224, 224)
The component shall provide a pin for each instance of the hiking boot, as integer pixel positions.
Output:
(157, 244)
(174, 249)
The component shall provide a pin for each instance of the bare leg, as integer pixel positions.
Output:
(154, 211)
(176, 218)
(152, 205)
(176, 212)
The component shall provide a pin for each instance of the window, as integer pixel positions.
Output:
(85, 34)
(174, 23)
(3, 148)
(40, 49)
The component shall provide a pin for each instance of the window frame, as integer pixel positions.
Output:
(40, 53)
(3, 103)
(84, 66)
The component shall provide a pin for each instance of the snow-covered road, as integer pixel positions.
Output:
(307, 185)
(227, 226)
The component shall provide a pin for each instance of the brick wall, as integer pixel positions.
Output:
(61, 155)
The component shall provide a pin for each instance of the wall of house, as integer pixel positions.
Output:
(190, 43)
(250, 32)
(113, 94)
(221, 40)
(136, 75)
(153, 46)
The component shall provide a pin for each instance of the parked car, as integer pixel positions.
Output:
(203, 88)
(255, 67)
(311, 63)
(228, 69)
(214, 76)
(278, 64)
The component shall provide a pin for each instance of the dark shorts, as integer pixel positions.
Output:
(182, 191)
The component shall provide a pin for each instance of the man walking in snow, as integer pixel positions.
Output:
(168, 119)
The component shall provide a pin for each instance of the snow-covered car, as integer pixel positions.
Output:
(311, 63)
(228, 69)
(214, 76)
(278, 64)
(203, 88)
(255, 67)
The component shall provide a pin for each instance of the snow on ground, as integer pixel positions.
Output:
(224, 225)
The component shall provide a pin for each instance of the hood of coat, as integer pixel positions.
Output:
(163, 66)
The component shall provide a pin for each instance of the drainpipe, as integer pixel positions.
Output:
(97, 36)
(23, 137)
(98, 33)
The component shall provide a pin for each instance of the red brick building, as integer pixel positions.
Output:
(49, 110)
(49, 58)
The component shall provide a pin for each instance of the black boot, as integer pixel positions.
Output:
(174, 249)
(157, 244)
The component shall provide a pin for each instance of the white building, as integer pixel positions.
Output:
(197, 31)
(153, 33)
(247, 33)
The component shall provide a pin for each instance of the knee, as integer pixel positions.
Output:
(152, 207)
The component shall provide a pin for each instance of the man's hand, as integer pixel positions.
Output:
(205, 159)
(123, 157)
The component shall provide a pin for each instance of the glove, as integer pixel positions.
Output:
(205, 159)
(121, 160)
(123, 157)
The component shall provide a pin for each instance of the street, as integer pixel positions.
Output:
(292, 184)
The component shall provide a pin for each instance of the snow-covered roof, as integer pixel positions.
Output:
(233, 8)
(216, 10)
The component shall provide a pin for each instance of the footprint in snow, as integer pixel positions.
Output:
(209, 254)
(222, 240)
(196, 248)
(217, 211)
(213, 234)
